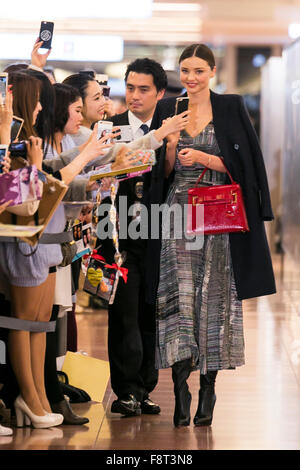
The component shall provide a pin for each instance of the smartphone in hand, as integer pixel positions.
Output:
(104, 128)
(3, 153)
(46, 34)
(16, 126)
(3, 87)
(182, 104)
(126, 134)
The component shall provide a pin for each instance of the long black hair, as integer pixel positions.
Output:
(80, 81)
(45, 120)
(65, 95)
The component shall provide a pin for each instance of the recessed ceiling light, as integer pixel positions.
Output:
(294, 30)
(176, 7)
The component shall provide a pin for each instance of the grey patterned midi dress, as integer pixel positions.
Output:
(198, 313)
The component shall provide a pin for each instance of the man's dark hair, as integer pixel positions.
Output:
(149, 67)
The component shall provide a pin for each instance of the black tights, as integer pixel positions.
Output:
(52, 384)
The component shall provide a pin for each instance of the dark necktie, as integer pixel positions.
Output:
(144, 128)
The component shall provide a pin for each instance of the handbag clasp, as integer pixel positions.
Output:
(234, 197)
(197, 200)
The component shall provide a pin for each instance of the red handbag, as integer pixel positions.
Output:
(223, 208)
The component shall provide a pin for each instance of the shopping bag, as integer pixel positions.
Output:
(87, 373)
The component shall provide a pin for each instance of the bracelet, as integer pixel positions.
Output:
(208, 163)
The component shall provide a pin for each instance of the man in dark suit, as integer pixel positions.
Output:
(131, 325)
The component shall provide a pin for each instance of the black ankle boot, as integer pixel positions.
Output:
(207, 399)
(180, 373)
(64, 408)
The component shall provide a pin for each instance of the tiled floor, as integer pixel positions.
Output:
(258, 405)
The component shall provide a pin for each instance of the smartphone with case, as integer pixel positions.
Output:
(15, 129)
(3, 87)
(182, 104)
(3, 152)
(46, 34)
(104, 127)
(126, 134)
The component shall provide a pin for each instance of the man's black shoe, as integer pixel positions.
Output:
(127, 405)
(148, 407)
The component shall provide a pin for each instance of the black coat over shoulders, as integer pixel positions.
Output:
(241, 152)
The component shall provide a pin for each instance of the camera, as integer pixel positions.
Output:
(18, 149)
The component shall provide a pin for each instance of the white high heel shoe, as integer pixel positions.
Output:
(57, 416)
(25, 415)
(5, 431)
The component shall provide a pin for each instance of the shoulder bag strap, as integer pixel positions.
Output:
(36, 220)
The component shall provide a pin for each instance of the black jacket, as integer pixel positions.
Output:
(126, 188)
(240, 149)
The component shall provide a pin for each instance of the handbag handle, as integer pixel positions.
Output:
(205, 170)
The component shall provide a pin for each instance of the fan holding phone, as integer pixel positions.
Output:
(42, 46)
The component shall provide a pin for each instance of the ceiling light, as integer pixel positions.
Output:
(73, 47)
(294, 30)
(176, 7)
(57, 9)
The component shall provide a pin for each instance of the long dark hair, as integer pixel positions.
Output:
(80, 81)
(26, 94)
(65, 95)
(199, 50)
(45, 120)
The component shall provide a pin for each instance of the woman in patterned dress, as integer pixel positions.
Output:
(199, 313)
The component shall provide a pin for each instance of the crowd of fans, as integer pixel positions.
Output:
(60, 138)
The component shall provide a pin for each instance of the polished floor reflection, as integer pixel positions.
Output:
(258, 405)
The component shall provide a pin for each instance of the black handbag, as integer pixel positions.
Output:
(76, 395)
